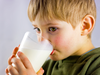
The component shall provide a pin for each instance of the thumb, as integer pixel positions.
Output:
(40, 72)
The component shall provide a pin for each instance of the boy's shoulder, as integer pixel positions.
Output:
(92, 54)
(91, 62)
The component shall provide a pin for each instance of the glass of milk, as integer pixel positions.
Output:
(36, 48)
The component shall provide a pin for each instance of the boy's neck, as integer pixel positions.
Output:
(87, 46)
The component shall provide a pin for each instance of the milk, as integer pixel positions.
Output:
(36, 57)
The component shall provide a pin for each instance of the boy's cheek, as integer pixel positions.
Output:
(58, 41)
(62, 42)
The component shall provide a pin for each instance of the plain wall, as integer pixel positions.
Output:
(14, 23)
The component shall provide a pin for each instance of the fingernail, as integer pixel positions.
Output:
(18, 53)
(42, 70)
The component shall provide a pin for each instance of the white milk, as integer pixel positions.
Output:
(36, 57)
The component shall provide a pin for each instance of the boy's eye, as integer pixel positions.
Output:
(37, 29)
(53, 29)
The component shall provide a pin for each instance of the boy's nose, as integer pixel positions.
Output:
(42, 37)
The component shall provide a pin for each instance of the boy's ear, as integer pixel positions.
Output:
(87, 24)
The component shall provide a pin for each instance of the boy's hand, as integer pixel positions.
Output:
(22, 65)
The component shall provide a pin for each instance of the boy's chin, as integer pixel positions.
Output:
(55, 58)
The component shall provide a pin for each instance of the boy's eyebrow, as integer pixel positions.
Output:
(47, 24)
(51, 24)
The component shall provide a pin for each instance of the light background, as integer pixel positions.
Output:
(14, 23)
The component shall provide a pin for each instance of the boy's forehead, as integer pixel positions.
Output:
(49, 22)
(42, 22)
(39, 20)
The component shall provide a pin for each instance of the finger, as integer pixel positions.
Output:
(15, 50)
(9, 60)
(18, 45)
(13, 55)
(12, 70)
(24, 60)
(40, 72)
(6, 70)
(17, 64)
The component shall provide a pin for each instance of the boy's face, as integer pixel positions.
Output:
(64, 39)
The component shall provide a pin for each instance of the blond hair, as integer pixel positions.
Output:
(71, 11)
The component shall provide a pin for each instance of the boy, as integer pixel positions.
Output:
(68, 25)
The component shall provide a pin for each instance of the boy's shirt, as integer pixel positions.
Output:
(87, 64)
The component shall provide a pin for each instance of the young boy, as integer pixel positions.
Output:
(68, 25)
